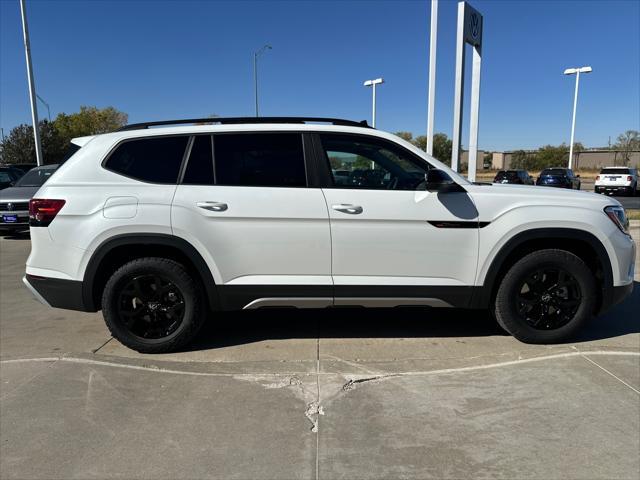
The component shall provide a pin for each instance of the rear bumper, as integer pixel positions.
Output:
(613, 189)
(56, 292)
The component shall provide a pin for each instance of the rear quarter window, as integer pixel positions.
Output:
(154, 160)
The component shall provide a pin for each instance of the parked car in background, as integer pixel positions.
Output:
(14, 201)
(517, 177)
(617, 180)
(559, 177)
(9, 176)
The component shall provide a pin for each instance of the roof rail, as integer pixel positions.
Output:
(237, 120)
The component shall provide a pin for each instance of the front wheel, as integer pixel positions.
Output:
(153, 305)
(546, 297)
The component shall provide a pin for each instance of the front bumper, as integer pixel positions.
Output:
(21, 220)
(57, 292)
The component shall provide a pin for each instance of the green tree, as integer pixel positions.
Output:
(442, 147)
(421, 142)
(524, 160)
(408, 136)
(550, 156)
(628, 142)
(89, 121)
(20, 147)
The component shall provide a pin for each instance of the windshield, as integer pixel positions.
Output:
(5, 177)
(35, 177)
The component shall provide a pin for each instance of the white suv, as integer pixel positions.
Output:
(162, 228)
(617, 180)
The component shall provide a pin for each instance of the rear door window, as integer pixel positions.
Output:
(154, 160)
(260, 160)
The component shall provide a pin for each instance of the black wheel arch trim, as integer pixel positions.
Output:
(158, 239)
(484, 295)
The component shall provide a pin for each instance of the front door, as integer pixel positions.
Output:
(390, 237)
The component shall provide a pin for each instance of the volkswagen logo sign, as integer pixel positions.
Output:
(474, 25)
(10, 206)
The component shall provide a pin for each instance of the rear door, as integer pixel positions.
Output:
(244, 203)
(393, 242)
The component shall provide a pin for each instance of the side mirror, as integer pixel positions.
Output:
(577, 176)
(12, 183)
(440, 181)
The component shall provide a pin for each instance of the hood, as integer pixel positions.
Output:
(535, 195)
(23, 194)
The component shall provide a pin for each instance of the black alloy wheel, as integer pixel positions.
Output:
(548, 298)
(151, 306)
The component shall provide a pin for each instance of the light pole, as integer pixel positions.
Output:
(46, 105)
(431, 106)
(32, 87)
(255, 71)
(576, 72)
(373, 83)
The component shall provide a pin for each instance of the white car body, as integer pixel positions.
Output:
(617, 180)
(297, 246)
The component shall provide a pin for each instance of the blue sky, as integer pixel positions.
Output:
(178, 59)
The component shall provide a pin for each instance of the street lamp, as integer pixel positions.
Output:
(576, 72)
(255, 71)
(373, 83)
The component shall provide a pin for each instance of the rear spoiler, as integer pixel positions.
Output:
(82, 141)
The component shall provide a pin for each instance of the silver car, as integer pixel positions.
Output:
(14, 201)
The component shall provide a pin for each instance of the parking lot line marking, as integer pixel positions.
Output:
(612, 374)
(395, 374)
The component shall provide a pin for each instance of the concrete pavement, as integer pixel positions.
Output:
(411, 393)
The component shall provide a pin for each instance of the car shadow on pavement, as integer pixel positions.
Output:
(238, 328)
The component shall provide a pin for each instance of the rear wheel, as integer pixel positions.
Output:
(546, 297)
(153, 305)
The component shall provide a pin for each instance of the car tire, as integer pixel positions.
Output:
(531, 297)
(153, 305)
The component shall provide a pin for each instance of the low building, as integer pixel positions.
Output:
(586, 159)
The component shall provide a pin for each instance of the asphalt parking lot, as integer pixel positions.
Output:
(403, 393)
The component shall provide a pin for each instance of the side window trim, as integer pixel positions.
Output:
(185, 159)
(314, 154)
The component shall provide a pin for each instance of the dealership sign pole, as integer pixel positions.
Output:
(32, 87)
(469, 31)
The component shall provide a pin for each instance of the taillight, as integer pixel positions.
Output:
(42, 211)
(629, 178)
(597, 178)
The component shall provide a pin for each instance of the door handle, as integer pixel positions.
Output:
(213, 206)
(348, 208)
